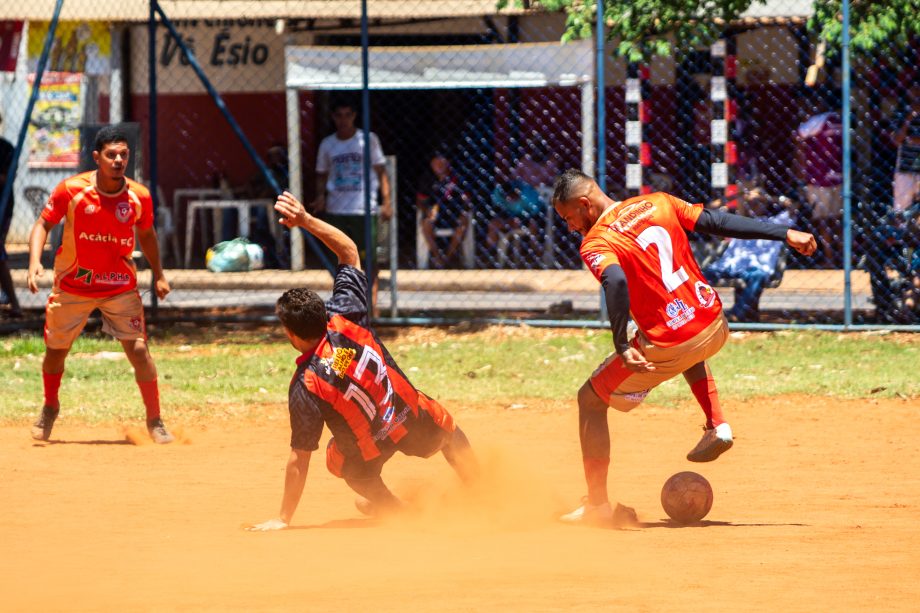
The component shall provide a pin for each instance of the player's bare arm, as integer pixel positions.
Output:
(150, 246)
(37, 238)
(386, 206)
(319, 202)
(294, 215)
(295, 477)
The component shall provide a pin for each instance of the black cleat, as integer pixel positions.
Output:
(41, 429)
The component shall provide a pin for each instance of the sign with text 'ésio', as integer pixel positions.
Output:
(237, 55)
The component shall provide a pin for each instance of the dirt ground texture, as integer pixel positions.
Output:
(817, 508)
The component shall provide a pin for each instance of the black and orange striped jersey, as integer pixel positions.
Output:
(351, 382)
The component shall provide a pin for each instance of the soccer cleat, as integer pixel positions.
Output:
(158, 431)
(590, 514)
(41, 429)
(603, 515)
(376, 509)
(714, 443)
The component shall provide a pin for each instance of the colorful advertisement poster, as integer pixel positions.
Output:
(10, 35)
(77, 47)
(54, 132)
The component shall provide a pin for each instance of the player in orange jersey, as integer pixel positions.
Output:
(638, 250)
(93, 269)
(347, 379)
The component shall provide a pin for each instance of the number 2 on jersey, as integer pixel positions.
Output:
(658, 236)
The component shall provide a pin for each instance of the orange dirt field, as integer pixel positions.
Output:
(817, 508)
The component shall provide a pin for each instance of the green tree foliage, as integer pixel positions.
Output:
(643, 28)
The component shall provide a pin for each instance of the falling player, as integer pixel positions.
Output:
(346, 379)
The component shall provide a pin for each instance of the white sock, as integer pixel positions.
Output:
(724, 431)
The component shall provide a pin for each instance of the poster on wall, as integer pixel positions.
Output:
(77, 47)
(54, 132)
(10, 36)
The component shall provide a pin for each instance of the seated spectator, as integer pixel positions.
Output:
(536, 168)
(752, 262)
(445, 203)
(517, 205)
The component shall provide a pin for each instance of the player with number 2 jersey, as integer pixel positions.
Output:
(639, 251)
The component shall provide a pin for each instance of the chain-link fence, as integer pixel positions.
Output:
(474, 111)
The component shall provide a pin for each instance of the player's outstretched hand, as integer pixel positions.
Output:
(268, 526)
(635, 361)
(803, 242)
(293, 212)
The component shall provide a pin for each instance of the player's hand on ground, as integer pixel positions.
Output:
(162, 287)
(293, 212)
(35, 271)
(635, 361)
(268, 526)
(803, 242)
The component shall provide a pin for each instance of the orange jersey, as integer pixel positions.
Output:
(94, 259)
(669, 299)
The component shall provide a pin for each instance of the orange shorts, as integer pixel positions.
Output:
(66, 315)
(624, 389)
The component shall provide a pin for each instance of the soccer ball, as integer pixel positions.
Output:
(686, 497)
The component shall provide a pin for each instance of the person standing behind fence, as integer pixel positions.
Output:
(906, 184)
(340, 182)
(820, 168)
(6, 279)
(94, 269)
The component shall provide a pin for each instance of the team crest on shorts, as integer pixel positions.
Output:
(123, 212)
(136, 323)
(705, 294)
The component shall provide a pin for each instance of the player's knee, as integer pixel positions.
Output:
(589, 400)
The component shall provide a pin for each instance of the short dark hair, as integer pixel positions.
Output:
(344, 102)
(109, 134)
(566, 184)
(303, 312)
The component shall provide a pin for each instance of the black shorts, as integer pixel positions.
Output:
(426, 435)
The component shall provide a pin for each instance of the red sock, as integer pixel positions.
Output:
(52, 383)
(708, 397)
(150, 392)
(596, 476)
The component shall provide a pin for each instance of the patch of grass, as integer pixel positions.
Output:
(238, 373)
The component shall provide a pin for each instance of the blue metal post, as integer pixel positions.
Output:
(24, 128)
(847, 173)
(152, 136)
(601, 119)
(370, 250)
(601, 110)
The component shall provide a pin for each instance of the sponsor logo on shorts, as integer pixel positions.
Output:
(705, 294)
(123, 212)
(679, 313)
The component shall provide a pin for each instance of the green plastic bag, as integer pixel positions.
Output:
(237, 255)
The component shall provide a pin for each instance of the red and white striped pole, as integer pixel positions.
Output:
(638, 117)
(724, 98)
